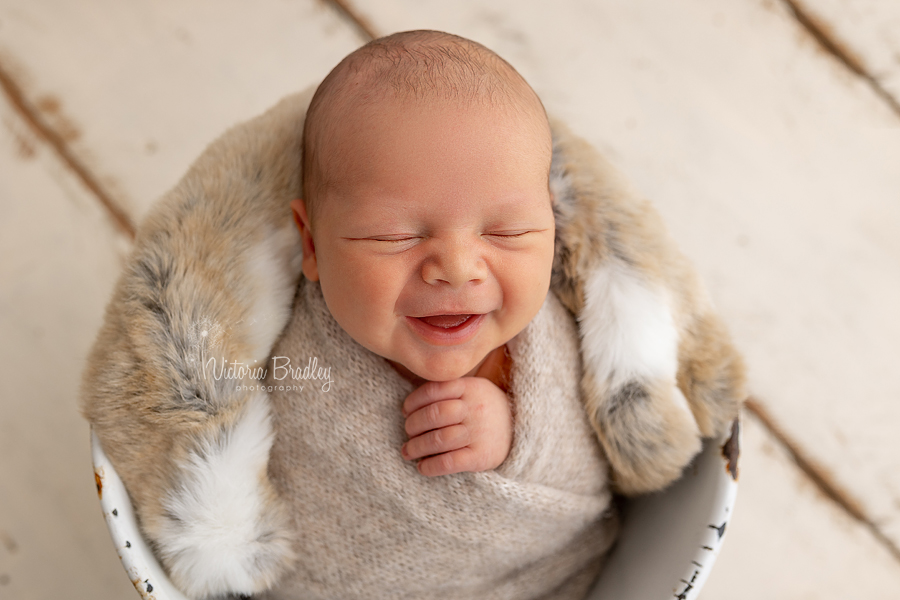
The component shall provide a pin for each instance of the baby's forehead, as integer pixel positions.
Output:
(416, 71)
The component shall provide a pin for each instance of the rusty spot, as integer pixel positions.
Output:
(98, 479)
(143, 588)
(139, 586)
(731, 450)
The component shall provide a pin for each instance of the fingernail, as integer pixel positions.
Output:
(403, 450)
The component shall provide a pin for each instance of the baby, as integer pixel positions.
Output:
(428, 239)
(509, 334)
(428, 222)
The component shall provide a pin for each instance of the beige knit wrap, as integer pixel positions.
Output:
(368, 525)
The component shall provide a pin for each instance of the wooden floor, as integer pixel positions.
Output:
(766, 131)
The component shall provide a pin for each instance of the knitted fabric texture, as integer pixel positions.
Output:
(368, 525)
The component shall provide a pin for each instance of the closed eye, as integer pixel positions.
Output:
(384, 238)
(508, 234)
(405, 238)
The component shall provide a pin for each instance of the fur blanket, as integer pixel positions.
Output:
(214, 271)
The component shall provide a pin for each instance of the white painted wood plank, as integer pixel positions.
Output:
(869, 30)
(777, 172)
(140, 88)
(59, 258)
(786, 541)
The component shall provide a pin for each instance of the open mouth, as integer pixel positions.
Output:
(446, 329)
(446, 321)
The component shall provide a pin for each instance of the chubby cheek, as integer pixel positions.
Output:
(526, 286)
(361, 294)
(527, 303)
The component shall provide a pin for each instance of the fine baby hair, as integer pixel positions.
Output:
(242, 487)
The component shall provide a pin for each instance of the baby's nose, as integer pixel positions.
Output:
(455, 262)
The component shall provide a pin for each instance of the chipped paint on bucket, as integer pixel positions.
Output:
(731, 450)
(148, 577)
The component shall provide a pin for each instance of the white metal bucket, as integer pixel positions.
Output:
(666, 549)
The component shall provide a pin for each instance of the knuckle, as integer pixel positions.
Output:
(463, 436)
(438, 437)
(432, 389)
(446, 463)
(457, 410)
(431, 467)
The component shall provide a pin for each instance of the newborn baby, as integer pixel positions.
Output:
(428, 242)
(428, 222)
(496, 334)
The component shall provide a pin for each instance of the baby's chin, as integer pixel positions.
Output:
(439, 372)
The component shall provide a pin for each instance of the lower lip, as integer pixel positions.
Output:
(450, 335)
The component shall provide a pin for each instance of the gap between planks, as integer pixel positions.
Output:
(817, 475)
(822, 33)
(48, 134)
(356, 20)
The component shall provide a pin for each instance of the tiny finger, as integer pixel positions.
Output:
(436, 441)
(448, 463)
(434, 416)
(432, 391)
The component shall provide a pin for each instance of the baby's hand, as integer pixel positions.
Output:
(456, 426)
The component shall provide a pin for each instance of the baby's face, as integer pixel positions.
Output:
(433, 242)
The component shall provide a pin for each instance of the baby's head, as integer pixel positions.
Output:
(427, 216)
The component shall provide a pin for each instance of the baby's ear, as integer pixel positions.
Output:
(310, 266)
(294, 209)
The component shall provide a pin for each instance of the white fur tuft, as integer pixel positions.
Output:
(274, 267)
(628, 329)
(217, 537)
